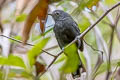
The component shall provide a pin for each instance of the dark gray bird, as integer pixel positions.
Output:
(66, 30)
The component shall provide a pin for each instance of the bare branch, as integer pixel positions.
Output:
(112, 21)
(113, 74)
(93, 47)
(53, 47)
(100, 55)
(98, 63)
(50, 64)
(103, 21)
(111, 45)
(117, 18)
(27, 44)
(110, 52)
(89, 28)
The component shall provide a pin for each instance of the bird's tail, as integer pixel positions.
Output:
(78, 72)
(81, 47)
(80, 68)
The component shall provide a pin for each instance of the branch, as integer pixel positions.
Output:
(113, 74)
(97, 16)
(26, 44)
(111, 44)
(98, 63)
(117, 17)
(93, 47)
(89, 28)
(37, 78)
(110, 53)
(110, 18)
(52, 47)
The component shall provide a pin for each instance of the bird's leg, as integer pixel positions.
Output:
(79, 42)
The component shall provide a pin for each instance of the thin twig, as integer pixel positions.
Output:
(89, 28)
(110, 52)
(99, 61)
(52, 47)
(48, 53)
(37, 78)
(93, 47)
(109, 58)
(117, 20)
(117, 17)
(112, 21)
(100, 55)
(111, 45)
(113, 74)
(103, 21)
(16, 40)
(26, 44)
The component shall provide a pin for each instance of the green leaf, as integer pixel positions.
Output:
(39, 36)
(92, 3)
(3, 60)
(17, 37)
(21, 18)
(83, 24)
(35, 37)
(36, 50)
(118, 63)
(60, 59)
(14, 72)
(1, 74)
(22, 73)
(80, 7)
(15, 61)
(110, 2)
(6, 21)
(12, 61)
(72, 60)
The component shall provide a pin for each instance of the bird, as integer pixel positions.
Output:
(66, 30)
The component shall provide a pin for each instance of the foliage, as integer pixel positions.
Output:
(36, 50)
(21, 18)
(12, 61)
(72, 59)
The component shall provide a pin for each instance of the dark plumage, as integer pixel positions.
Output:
(65, 29)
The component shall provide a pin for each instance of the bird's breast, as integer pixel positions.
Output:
(59, 26)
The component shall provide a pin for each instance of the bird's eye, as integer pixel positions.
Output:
(57, 13)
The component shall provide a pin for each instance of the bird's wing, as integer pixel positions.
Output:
(58, 36)
(73, 31)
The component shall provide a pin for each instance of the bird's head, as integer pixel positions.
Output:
(59, 15)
